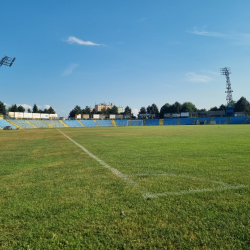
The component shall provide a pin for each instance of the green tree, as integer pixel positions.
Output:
(242, 105)
(94, 111)
(222, 107)
(75, 111)
(21, 108)
(29, 111)
(214, 109)
(154, 109)
(166, 108)
(51, 110)
(114, 110)
(35, 109)
(45, 111)
(148, 109)
(104, 111)
(188, 107)
(13, 108)
(175, 108)
(143, 111)
(2, 108)
(127, 111)
(87, 110)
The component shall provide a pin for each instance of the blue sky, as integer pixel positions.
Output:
(129, 52)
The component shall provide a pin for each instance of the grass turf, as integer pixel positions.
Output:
(55, 196)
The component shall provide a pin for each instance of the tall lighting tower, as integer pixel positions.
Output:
(226, 71)
(230, 103)
(7, 61)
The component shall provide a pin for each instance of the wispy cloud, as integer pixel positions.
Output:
(6, 104)
(193, 77)
(70, 69)
(73, 39)
(210, 72)
(46, 106)
(141, 20)
(232, 36)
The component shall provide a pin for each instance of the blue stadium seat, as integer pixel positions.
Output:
(38, 123)
(122, 123)
(4, 123)
(173, 121)
(248, 121)
(186, 121)
(73, 123)
(152, 122)
(88, 123)
(237, 120)
(55, 123)
(104, 123)
(22, 124)
(220, 120)
(137, 123)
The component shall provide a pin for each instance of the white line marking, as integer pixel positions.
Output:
(146, 194)
(152, 195)
(185, 176)
(225, 186)
(113, 170)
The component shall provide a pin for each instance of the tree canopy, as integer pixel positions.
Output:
(2, 108)
(242, 105)
(127, 111)
(35, 109)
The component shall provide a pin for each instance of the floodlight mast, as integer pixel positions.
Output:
(226, 71)
(7, 61)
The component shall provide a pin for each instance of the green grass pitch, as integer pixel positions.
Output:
(158, 187)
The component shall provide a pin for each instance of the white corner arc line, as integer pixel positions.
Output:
(113, 170)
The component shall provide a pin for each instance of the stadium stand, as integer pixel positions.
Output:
(73, 123)
(219, 120)
(136, 122)
(186, 121)
(104, 123)
(22, 124)
(122, 123)
(55, 123)
(4, 123)
(237, 120)
(173, 121)
(203, 119)
(247, 121)
(38, 123)
(152, 122)
(88, 123)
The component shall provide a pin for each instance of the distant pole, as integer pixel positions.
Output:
(226, 71)
(7, 61)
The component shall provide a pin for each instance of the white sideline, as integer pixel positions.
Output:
(113, 170)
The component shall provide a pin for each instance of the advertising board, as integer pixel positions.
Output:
(78, 116)
(85, 116)
(112, 116)
(11, 114)
(27, 115)
(185, 114)
(18, 114)
(176, 115)
(44, 116)
(53, 116)
(36, 115)
(96, 116)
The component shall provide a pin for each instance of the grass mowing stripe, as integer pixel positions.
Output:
(113, 170)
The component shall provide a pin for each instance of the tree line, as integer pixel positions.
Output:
(20, 108)
(77, 110)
